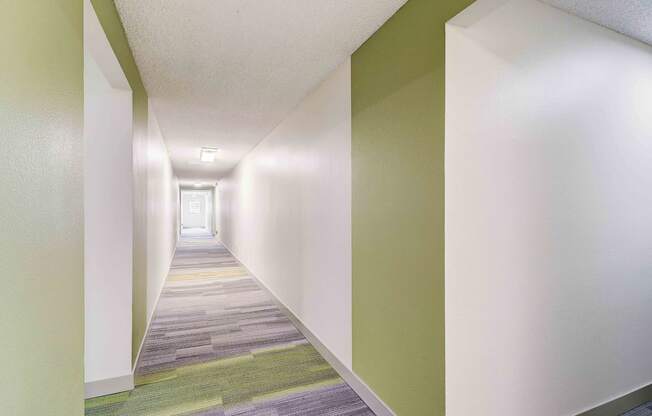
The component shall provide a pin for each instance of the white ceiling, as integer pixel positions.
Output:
(224, 73)
(630, 17)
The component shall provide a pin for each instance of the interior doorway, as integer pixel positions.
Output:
(197, 212)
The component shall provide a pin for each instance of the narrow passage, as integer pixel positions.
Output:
(219, 346)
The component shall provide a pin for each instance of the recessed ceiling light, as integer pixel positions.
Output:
(207, 154)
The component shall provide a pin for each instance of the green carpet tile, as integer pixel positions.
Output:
(219, 346)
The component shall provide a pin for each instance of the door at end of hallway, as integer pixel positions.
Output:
(196, 211)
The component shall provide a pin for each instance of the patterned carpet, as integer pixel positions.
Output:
(642, 410)
(219, 346)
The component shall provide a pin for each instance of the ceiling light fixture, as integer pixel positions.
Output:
(207, 154)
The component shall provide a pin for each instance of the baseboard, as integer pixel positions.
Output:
(622, 404)
(108, 386)
(151, 315)
(367, 395)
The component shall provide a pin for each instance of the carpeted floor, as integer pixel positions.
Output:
(219, 346)
(642, 410)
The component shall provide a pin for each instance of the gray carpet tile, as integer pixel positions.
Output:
(332, 400)
(642, 410)
(218, 345)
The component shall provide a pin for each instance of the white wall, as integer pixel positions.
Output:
(108, 226)
(216, 210)
(286, 212)
(109, 214)
(162, 206)
(548, 212)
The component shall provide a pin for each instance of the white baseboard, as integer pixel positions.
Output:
(367, 395)
(620, 405)
(109, 386)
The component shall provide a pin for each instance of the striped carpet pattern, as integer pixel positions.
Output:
(219, 346)
(642, 410)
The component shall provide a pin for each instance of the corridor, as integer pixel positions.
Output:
(326, 208)
(219, 345)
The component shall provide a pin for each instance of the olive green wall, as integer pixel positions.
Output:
(41, 217)
(398, 208)
(110, 21)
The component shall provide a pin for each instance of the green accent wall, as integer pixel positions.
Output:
(41, 214)
(112, 25)
(397, 80)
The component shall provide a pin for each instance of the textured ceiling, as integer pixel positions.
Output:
(224, 73)
(630, 17)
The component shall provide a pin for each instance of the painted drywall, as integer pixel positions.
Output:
(285, 212)
(216, 210)
(162, 200)
(398, 208)
(41, 217)
(548, 220)
(108, 225)
(110, 20)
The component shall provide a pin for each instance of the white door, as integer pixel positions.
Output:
(195, 211)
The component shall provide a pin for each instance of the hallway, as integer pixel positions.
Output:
(218, 345)
(326, 208)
